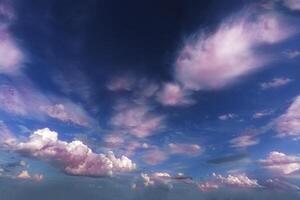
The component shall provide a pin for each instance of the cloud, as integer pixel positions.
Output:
(188, 149)
(244, 141)
(75, 157)
(136, 120)
(121, 83)
(288, 124)
(292, 4)
(275, 83)
(28, 101)
(281, 163)
(262, 113)
(218, 181)
(281, 185)
(24, 175)
(227, 116)
(292, 54)
(154, 156)
(237, 181)
(173, 95)
(222, 58)
(11, 56)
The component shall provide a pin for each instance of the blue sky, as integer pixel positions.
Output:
(151, 93)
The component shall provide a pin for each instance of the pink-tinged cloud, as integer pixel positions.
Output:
(7, 137)
(11, 57)
(173, 95)
(244, 141)
(275, 83)
(281, 163)
(292, 4)
(154, 157)
(137, 120)
(7, 12)
(187, 149)
(28, 101)
(288, 124)
(121, 83)
(75, 157)
(222, 58)
(11, 100)
(67, 112)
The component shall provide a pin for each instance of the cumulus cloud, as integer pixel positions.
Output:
(281, 163)
(222, 58)
(218, 181)
(288, 124)
(173, 95)
(237, 181)
(188, 149)
(244, 141)
(24, 175)
(75, 157)
(137, 120)
(275, 83)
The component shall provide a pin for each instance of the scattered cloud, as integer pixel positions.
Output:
(275, 83)
(154, 156)
(222, 58)
(75, 157)
(24, 175)
(137, 120)
(187, 149)
(173, 95)
(227, 116)
(244, 141)
(281, 163)
(288, 124)
(121, 83)
(291, 4)
(261, 114)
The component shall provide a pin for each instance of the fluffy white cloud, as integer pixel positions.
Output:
(288, 124)
(237, 181)
(281, 163)
(76, 157)
(227, 116)
(275, 83)
(222, 58)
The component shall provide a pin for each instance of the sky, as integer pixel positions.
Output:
(149, 99)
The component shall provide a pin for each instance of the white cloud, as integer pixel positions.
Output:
(288, 124)
(281, 163)
(222, 58)
(244, 141)
(76, 157)
(227, 116)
